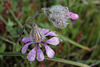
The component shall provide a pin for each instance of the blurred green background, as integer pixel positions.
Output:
(85, 31)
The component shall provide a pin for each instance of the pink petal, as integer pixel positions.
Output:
(74, 16)
(26, 39)
(25, 47)
(51, 34)
(53, 41)
(31, 55)
(50, 53)
(45, 30)
(40, 55)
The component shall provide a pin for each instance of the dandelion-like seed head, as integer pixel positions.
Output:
(58, 15)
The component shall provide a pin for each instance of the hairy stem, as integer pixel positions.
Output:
(25, 25)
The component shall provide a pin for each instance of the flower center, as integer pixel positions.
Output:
(36, 34)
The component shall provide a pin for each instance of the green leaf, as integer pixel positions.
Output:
(53, 59)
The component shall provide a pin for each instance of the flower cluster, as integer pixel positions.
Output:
(37, 36)
(59, 15)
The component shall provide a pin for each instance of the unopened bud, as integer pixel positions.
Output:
(74, 16)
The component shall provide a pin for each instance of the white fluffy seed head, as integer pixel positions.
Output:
(58, 15)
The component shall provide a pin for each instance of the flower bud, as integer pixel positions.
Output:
(74, 16)
(36, 34)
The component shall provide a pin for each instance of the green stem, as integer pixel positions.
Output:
(53, 59)
(34, 15)
(68, 62)
(90, 61)
(74, 43)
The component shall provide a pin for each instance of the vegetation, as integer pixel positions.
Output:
(79, 41)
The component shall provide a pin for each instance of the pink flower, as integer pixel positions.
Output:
(74, 16)
(36, 50)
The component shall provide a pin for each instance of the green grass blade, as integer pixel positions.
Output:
(53, 59)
